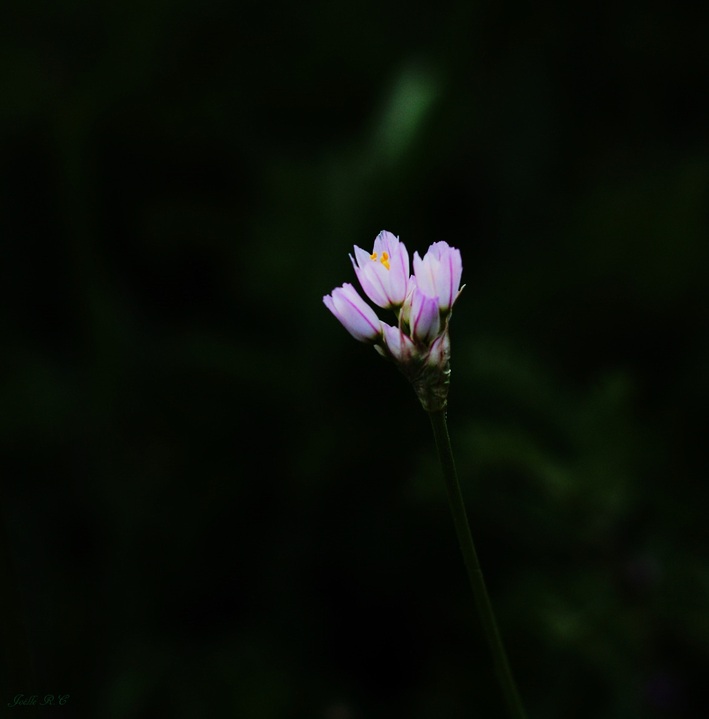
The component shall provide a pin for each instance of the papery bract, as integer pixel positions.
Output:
(383, 273)
(438, 273)
(357, 317)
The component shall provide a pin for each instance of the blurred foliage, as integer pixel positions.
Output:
(215, 502)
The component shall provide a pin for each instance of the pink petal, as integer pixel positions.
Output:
(357, 317)
(399, 345)
(425, 319)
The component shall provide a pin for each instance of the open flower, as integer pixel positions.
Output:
(383, 273)
(419, 343)
(358, 318)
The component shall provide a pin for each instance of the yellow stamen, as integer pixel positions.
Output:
(384, 259)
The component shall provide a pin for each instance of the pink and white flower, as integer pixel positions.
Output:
(438, 273)
(383, 273)
(421, 313)
(357, 317)
(397, 345)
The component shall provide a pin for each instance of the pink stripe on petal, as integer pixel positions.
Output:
(372, 284)
(425, 319)
(357, 317)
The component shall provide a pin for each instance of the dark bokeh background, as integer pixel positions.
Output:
(215, 502)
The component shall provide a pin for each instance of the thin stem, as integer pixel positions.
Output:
(475, 575)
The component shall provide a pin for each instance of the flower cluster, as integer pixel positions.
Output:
(419, 343)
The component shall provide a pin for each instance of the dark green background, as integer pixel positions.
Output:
(216, 502)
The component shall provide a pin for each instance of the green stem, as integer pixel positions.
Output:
(477, 582)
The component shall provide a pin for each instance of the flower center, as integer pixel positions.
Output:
(384, 259)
